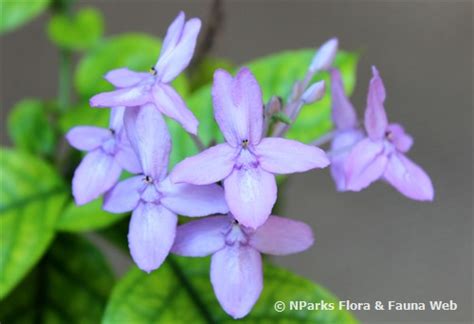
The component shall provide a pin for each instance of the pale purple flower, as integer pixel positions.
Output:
(246, 162)
(140, 88)
(109, 152)
(347, 133)
(236, 264)
(154, 199)
(382, 153)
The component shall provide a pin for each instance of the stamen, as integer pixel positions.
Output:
(112, 131)
(147, 179)
(245, 143)
(153, 70)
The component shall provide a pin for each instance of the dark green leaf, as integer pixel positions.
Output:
(32, 196)
(15, 13)
(204, 72)
(70, 285)
(87, 217)
(180, 291)
(29, 127)
(134, 51)
(79, 32)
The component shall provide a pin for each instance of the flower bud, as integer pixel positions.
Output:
(323, 58)
(314, 92)
(273, 106)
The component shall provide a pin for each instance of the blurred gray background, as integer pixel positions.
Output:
(373, 245)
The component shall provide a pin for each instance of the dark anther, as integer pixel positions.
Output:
(112, 131)
(245, 143)
(389, 135)
(153, 70)
(236, 222)
(148, 179)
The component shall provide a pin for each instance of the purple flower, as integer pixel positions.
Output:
(382, 153)
(109, 152)
(347, 133)
(154, 199)
(246, 162)
(236, 264)
(140, 88)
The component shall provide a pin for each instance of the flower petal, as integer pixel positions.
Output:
(151, 234)
(341, 146)
(399, 138)
(149, 137)
(170, 103)
(343, 113)
(87, 138)
(365, 164)
(236, 276)
(375, 116)
(209, 166)
(238, 106)
(128, 160)
(124, 78)
(128, 97)
(282, 156)
(250, 195)
(124, 196)
(408, 178)
(173, 34)
(96, 174)
(190, 200)
(201, 237)
(281, 236)
(177, 57)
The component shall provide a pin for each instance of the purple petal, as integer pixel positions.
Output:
(124, 196)
(177, 57)
(408, 178)
(281, 236)
(128, 160)
(128, 97)
(365, 164)
(173, 34)
(124, 78)
(343, 113)
(209, 166)
(170, 103)
(87, 138)
(96, 174)
(341, 146)
(149, 137)
(238, 106)
(236, 276)
(282, 156)
(116, 118)
(250, 195)
(151, 234)
(399, 138)
(190, 200)
(375, 116)
(201, 237)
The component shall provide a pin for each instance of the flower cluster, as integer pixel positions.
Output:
(235, 179)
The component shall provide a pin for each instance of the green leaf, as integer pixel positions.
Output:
(204, 72)
(87, 217)
(134, 51)
(71, 284)
(276, 75)
(32, 196)
(83, 114)
(29, 127)
(180, 291)
(79, 32)
(15, 13)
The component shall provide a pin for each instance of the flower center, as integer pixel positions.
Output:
(245, 144)
(148, 192)
(236, 234)
(153, 71)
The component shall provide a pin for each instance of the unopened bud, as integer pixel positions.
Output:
(314, 92)
(273, 106)
(323, 58)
